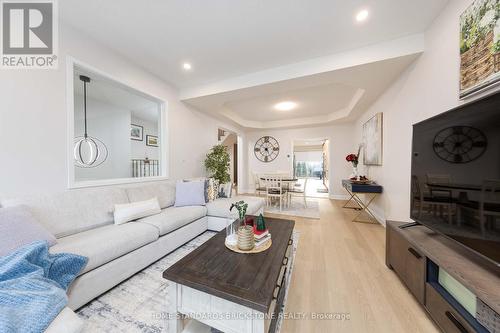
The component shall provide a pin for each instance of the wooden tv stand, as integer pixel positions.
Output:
(411, 252)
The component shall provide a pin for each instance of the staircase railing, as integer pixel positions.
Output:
(145, 168)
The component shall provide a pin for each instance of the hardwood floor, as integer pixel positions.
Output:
(340, 269)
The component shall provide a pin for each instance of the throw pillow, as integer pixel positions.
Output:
(206, 186)
(212, 190)
(225, 190)
(18, 227)
(124, 213)
(189, 194)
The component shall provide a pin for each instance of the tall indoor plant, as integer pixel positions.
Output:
(217, 164)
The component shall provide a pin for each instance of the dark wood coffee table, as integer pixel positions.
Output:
(229, 291)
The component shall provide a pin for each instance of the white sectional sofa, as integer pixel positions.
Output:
(82, 221)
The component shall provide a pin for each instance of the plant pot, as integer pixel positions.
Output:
(246, 239)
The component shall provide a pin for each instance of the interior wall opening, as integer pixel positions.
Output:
(311, 166)
(229, 139)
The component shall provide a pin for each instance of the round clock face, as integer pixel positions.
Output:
(266, 149)
(460, 144)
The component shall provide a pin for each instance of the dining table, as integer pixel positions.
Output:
(463, 190)
(288, 182)
(455, 186)
(284, 179)
(459, 191)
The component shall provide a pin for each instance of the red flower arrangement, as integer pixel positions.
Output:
(353, 158)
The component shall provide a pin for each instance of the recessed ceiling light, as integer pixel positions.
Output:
(187, 66)
(362, 15)
(285, 106)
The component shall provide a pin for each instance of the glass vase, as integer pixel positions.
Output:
(231, 234)
(354, 174)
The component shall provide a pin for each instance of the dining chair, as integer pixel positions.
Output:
(275, 189)
(258, 184)
(283, 174)
(434, 178)
(419, 198)
(298, 191)
(487, 209)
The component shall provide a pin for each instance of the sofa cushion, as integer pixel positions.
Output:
(173, 218)
(220, 207)
(66, 322)
(18, 227)
(101, 245)
(73, 211)
(164, 191)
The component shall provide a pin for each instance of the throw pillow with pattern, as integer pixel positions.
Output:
(225, 190)
(212, 189)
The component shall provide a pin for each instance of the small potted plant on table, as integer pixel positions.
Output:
(242, 237)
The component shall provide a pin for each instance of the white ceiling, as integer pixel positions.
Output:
(311, 101)
(339, 95)
(228, 38)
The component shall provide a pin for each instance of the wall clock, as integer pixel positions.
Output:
(266, 149)
(460, 144)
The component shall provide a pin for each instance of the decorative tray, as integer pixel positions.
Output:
(362, 182)
(261, 248)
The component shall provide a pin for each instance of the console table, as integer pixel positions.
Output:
(363, 206)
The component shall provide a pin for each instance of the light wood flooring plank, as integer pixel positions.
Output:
(340, 269)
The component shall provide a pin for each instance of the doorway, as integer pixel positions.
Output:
(230, 141)
(311, 166)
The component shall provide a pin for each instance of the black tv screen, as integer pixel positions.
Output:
(455, 176)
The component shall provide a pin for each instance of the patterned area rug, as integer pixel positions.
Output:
(297, 209)
(138, 304)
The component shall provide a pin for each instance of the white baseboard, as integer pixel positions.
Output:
(380, 217)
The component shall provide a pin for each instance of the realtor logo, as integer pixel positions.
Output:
(29, 34)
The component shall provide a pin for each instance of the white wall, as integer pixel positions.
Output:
(340, 137)
(111, 125)
(33, 119)
(139, 149)
(428, 87)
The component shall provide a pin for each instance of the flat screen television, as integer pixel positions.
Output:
(455, 176)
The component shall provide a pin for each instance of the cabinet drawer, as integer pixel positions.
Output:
(397, 252)
(415, 273)
(443, 313)
(407, 261)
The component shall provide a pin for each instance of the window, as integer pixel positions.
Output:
(117, 133)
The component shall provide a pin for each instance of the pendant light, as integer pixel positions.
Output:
(89, 152)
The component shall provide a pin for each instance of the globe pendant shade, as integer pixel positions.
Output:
(89, 152)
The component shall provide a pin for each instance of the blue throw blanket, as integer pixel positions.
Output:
(33, 286)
